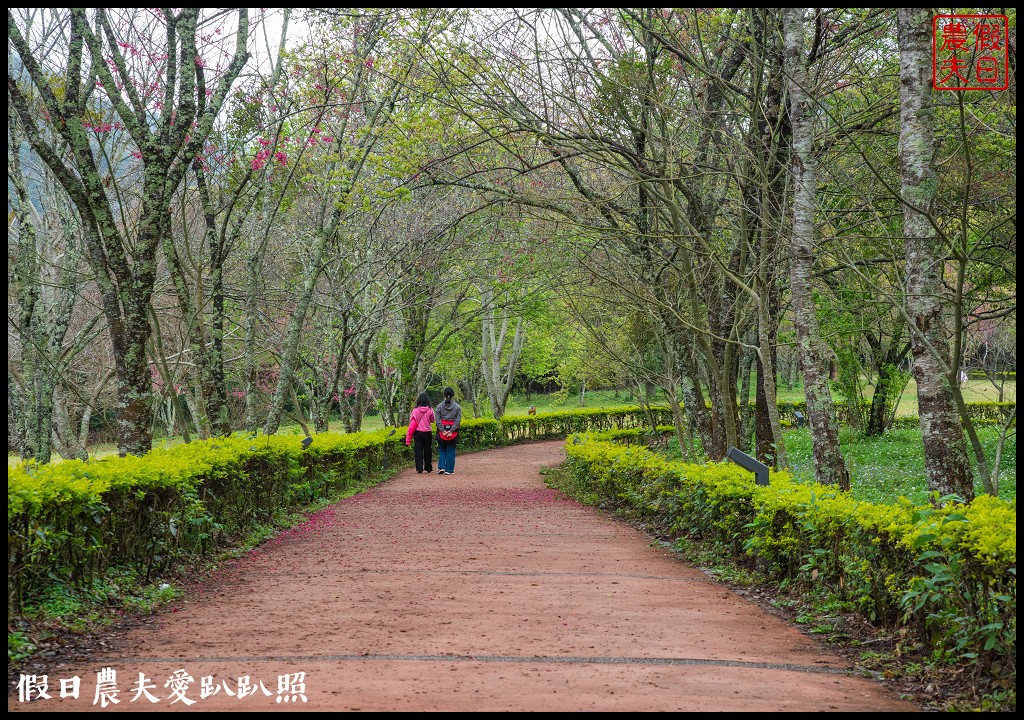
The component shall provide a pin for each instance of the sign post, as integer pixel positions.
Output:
(755, 466)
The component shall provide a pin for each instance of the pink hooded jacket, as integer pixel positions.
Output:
(419, 420)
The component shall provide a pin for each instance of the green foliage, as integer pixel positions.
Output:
(86, 607)
(947, 571)
(78, 520)
(980, 412)
(898, 380)
(560, 424)
(850, 388)
(886, 466)
(72, 524)
(1002, 375)
(964, 597)
(19, 647)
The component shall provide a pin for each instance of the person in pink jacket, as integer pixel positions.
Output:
(419, 432)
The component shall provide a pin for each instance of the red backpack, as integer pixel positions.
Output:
(445, 431)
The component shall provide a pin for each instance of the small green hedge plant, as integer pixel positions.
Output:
(945, 569)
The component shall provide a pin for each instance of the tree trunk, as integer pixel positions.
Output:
(83, 425)
(746, 432)
(498, 381)
(888, 385)
(356, 403)
(319, 406)
(290, 351)
(298, 408)
(721, 363)
(134, 381)
(196, 338)
(777, 450)
(947, 466)
(829, 467)
(696, 408)
(177, 415)
(26, 291)
(124, 260)
(683, 436)
(879, 406)
(387, 390)
(770, 142)
(65, 437)
(251, 313)
(211, 342)
(417, 304)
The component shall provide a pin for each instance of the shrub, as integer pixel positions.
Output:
(77, 520)
(944, 569)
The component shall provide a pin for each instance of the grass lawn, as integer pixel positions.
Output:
(519, 404)
(884, 468)
(974, 390)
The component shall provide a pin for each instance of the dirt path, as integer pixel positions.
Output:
(474, 592)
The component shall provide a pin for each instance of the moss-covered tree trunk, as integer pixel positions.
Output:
(829, 467)
(25, 290)
(945, 447)
(769, 147)
(886, 356)
(100, 81)
(207, 340)
(354, 404)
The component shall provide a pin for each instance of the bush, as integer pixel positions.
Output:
(943, 569)
(77, 520)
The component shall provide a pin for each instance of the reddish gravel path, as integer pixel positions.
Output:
(474, 592)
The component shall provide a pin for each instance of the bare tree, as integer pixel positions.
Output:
(499, 366)
(106, 60)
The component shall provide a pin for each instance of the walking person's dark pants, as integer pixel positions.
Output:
(422, 443)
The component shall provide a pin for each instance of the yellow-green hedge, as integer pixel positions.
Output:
(982, 411)
(75, 520)
(947, 571)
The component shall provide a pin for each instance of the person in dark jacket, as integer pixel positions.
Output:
(448, 416)
(419, 432)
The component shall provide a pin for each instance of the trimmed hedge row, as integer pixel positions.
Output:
(979, 411)
(1003, 374)
(949, 573)
(76, 520)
